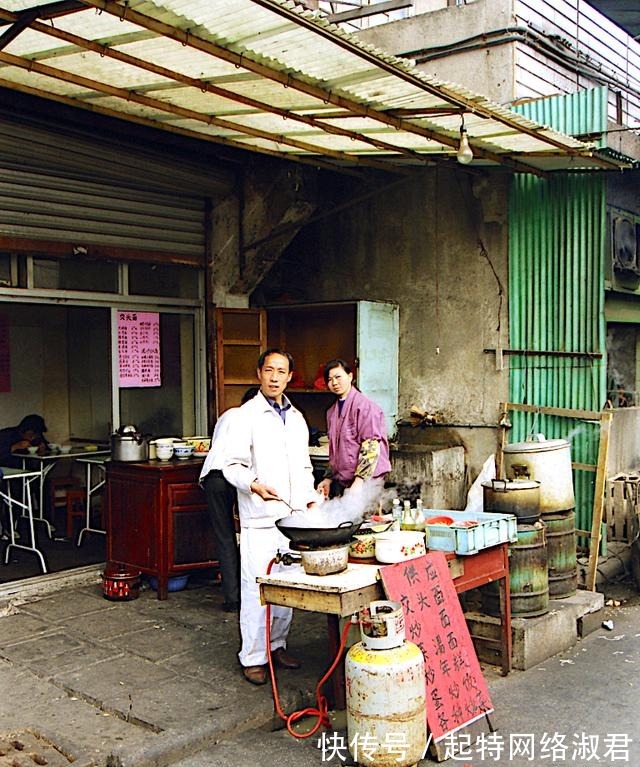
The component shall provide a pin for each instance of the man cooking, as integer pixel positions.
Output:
(267, 460)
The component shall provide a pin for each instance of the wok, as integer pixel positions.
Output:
(318, 536)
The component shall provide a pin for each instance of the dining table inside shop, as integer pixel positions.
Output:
(96, 479)
(44, 464)
(15, 491)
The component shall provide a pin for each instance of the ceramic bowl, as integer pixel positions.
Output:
(33, 449)
(398, 545)
(164, 452)
(363, 546)
(54, 447)
(181, 450)
(200, 444)
(65, 449)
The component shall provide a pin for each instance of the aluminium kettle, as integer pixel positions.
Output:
(128, 444)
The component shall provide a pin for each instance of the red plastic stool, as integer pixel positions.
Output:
(76, 508)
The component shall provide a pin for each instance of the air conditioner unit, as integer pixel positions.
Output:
(624, 245)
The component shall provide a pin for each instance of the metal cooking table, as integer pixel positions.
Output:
(343, 594)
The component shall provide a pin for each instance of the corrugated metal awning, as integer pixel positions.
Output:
(266, 76)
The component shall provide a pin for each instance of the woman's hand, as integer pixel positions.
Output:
(324, 487)
(357, 485)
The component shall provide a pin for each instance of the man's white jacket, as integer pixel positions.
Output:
(264, 449)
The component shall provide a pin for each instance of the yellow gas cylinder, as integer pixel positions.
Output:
(385, 686)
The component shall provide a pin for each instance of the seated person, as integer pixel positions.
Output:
(30, 431)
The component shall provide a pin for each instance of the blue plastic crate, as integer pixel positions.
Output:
(490, 530)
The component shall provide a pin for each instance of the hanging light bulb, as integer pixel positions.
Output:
(464, 154)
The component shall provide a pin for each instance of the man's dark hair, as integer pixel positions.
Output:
(337, 363)
(32, 422)
(264, 356)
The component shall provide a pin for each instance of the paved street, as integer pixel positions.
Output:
(146, 683)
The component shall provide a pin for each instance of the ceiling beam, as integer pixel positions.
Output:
(190, 114)
(308, 21)
(188, 39)
(315, 162)
(204, 86)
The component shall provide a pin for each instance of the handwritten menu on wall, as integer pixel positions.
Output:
(139, 349)
(5, 354)
(457, 693)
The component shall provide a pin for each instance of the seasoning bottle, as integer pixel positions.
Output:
(396, 511)
(407, 517)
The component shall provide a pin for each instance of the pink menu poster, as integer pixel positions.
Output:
(139, 349)
(5, 354)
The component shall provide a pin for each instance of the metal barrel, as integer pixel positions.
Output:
(561, 554)
(528, 575)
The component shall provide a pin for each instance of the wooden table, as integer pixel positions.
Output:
(157, 518)
(348, 592)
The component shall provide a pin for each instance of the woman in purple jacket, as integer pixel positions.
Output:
(358, 445)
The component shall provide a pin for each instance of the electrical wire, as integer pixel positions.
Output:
(321, 711)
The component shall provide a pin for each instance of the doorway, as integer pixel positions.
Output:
(59, 361)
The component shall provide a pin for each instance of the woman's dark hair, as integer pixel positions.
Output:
(281, 352)
(337, 363)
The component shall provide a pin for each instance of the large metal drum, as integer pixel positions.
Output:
(386, 703)
(520, 497)
(528, 575)
(548, 462)
(561, 554)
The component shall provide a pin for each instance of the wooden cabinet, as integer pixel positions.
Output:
(364, 333)
(157, 519)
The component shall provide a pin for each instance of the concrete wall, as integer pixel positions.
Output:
(490, 72)
(435, 243)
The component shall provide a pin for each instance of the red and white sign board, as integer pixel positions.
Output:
(457, 693)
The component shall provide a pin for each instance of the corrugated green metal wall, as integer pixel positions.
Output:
(556, 303)
(556, 292)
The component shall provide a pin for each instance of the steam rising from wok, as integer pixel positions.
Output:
(354, 506)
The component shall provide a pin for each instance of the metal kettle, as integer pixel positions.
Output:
(128, 444)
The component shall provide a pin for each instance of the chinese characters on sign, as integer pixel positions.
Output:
(139, 349)
(457, 693)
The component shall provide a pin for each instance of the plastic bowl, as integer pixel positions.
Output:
(175, 583)
(439, 521)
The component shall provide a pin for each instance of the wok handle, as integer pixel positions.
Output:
(346, 523)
